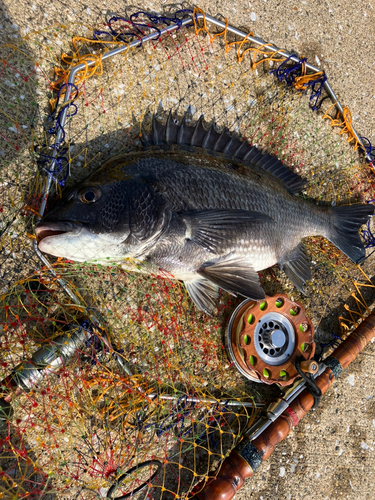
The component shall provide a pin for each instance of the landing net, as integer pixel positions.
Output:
(130, 387)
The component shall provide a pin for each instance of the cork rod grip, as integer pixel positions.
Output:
(247, 456)
(229, 479)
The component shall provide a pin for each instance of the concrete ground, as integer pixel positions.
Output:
(331, 454)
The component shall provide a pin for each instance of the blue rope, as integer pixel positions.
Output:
(43, 159)
(98, 348)
(115, 34)
(370, 149)
(161, 19)
(335, 342)
(60, 151)
(290, 73)
(141, 26)
(367, 234)
(176, 420)
(316, 92)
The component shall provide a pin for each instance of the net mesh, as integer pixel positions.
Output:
(148, 397)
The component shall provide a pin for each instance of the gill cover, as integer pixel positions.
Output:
(124, 212)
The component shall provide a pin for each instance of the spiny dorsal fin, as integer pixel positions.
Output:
(171, 130)
(158, 132)
(199, 130)
(224, 142)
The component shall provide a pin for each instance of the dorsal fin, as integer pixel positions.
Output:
(224, 142)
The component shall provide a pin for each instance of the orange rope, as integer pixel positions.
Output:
(360, 303)
(201, 25)
(301, 82)
(77, 58)
(346, 124)
(198, 28)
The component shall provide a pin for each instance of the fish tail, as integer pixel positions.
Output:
(345, 224)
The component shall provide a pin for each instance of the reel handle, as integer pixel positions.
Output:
(309, 366)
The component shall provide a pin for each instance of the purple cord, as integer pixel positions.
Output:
(290, 73)
(59, 158)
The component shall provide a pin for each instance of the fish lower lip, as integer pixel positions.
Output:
(46, 229)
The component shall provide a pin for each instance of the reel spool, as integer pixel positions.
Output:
(265, 339)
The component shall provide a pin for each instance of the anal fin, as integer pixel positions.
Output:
(296, 266)
(235, 275)
(204, 294)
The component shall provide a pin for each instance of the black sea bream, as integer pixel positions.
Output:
(208, 208)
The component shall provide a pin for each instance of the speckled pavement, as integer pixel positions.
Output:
(331, 454)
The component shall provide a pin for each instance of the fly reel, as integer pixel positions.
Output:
(266, 338)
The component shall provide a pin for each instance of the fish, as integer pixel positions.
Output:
(205, 206)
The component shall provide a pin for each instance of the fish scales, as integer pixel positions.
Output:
(193, 186)
(208, 219)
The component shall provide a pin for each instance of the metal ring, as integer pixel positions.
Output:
(243, 372)
(118, 481)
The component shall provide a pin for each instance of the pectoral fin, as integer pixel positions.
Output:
(235, 275)
(204, 294)
(296, 267)
(211, 228)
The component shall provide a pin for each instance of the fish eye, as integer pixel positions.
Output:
(90, 195)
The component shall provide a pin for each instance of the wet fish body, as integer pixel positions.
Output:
(208, 208)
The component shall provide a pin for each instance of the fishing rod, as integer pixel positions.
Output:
(259, 441)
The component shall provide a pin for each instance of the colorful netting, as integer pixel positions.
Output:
(132, 384)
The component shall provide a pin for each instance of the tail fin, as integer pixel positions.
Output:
(346, 222)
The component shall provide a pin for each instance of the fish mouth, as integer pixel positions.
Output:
(45, 230)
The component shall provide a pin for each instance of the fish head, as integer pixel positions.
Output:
(104, 221)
